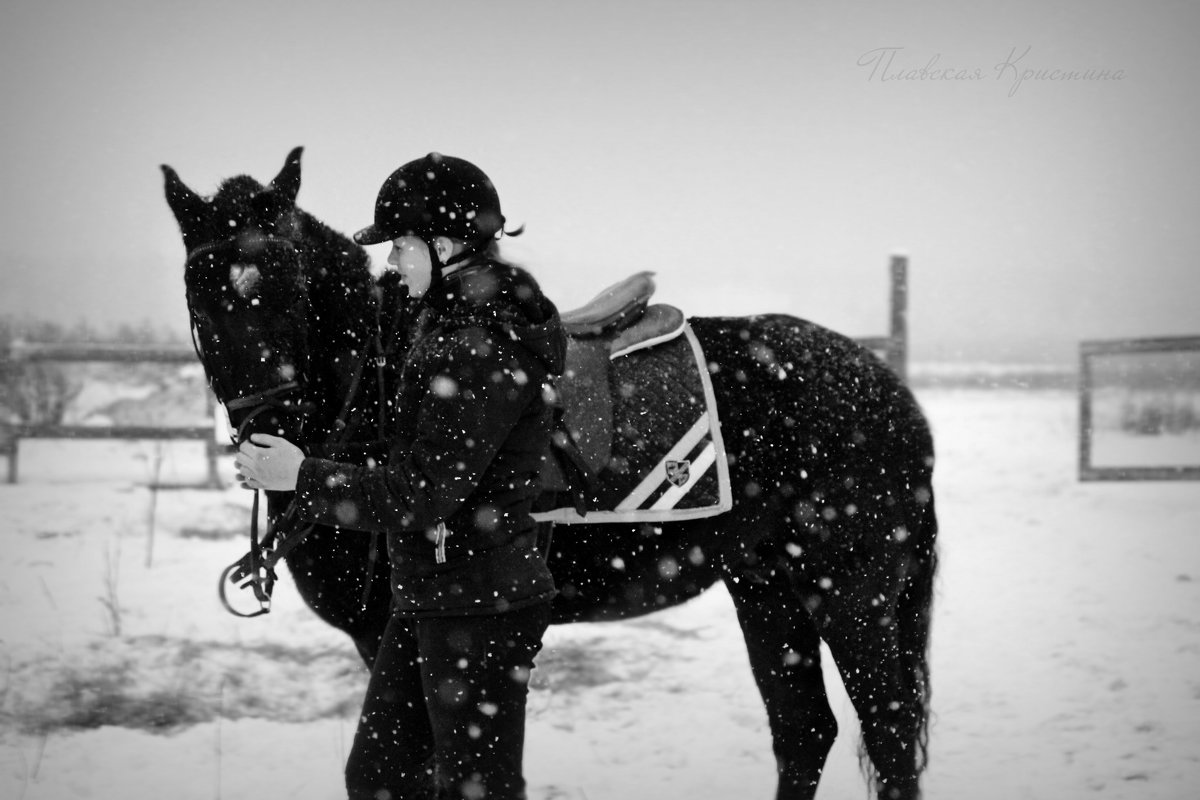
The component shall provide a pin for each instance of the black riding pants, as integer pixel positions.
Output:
(444, 714)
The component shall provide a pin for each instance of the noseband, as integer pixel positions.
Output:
(235, 242)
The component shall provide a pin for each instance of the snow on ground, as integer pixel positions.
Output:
(1066, 651)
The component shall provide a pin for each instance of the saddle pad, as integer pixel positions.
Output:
(667, 459)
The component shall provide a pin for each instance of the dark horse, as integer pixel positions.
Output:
(831, 535)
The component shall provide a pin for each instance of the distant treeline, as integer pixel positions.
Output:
(13, 328)
(995, 377)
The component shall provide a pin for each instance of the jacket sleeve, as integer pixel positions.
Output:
(477, 390)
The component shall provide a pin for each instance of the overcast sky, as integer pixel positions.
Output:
(759, 156)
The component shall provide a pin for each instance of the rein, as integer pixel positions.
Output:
(256, 569)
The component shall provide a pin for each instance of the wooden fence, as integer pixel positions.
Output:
(1170, 371)
(893, 348)
(113, 353)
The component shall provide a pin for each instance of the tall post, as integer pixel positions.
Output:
(898, 347)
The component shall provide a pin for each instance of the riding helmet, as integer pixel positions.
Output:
(435, 196)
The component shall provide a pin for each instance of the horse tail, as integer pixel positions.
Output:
(915, 607)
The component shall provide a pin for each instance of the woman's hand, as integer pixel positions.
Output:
(268, 462)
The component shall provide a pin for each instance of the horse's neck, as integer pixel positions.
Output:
(341, 308)
(347, 320)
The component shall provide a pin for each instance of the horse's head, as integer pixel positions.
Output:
(246, 293)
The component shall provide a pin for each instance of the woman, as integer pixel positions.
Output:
(445, 707)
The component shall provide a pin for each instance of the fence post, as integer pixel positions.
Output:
(12, 459)
(898, 334)
(211, 450)
(1085, 411)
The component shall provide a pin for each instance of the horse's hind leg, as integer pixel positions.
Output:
(882, 681)
(785, 658)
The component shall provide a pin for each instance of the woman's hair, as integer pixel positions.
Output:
(492, 253)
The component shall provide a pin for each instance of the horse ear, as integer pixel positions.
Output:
(287, 182)
(187, 206)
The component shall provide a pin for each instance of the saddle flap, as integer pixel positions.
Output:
(612, 309)
(586, 394)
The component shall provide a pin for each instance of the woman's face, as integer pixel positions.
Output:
(410, 257)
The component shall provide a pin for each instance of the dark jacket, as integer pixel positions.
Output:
(473, 427)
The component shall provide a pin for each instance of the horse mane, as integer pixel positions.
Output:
(338, 270)
(347, 317)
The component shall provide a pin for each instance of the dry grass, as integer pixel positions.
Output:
(158, 684)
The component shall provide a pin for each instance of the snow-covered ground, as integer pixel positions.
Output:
(1066, 650)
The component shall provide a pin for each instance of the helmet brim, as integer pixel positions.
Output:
(371, 235)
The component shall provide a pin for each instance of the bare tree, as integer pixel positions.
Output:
(32, 392)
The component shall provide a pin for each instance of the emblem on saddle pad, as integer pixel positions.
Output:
(678, 472)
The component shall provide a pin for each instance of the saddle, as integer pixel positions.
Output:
(620, 316)
(627, 399)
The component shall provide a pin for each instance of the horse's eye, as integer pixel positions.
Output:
(245, 279)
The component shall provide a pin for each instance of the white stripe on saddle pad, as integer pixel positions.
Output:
(657, 476)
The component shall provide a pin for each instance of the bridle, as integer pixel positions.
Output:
(256, 569)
